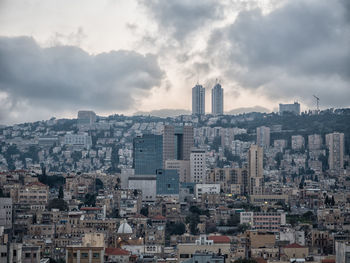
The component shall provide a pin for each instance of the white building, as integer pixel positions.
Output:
(217, 100)
(81, 140)
(148, 186)
(198, 166)
(335, 145)
(263, 136)
(200, 189)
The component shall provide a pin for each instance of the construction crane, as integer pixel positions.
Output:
(317, 102)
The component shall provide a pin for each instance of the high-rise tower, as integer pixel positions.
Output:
(198, 100)
(217, 100)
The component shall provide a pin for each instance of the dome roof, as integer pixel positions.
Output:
(124, 228)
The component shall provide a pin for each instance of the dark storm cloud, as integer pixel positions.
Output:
(183, 17)
(299, 49)
(67, 78)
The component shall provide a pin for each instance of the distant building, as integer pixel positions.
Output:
(86, 117)
(217, 100)
(298, 142)
(148, 186)
(148, 154)
(263, 136)
(182, 167)
(198, 166)
(335, 145)
(289, 108)
(262, 221)
(177, 143)
(6, 212)
(314, 142)
(200, 189)
(255, 170)
(167, 182)
(198, 100)
(280, 144)
(205, 258)
(80, 140)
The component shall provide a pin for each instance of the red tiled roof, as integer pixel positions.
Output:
(294, 245)
(116, 251)
(329, 260)
(220, 239)
(159, 217)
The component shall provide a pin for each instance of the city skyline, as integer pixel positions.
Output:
(135, 56)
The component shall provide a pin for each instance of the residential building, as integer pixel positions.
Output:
(255, 170)
(198, 100)
(198, 166)
(263, 136)
(6, 212)
(335, 145)
(217, 100)
(182, 167)
(298, 142)
(86, 117)
(314, 142)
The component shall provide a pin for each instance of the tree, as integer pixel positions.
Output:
(144, 211)
(98, 184)
(60, 193)
(175, 229)
(90, 199)
(58, 204)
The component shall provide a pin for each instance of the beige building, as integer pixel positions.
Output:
(213, 244)
(33, 193)
(295, 251)
(255, 170)
(182, 167)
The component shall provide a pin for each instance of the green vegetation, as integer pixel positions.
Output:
(58, 204)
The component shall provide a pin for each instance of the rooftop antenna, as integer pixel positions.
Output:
(317, 102)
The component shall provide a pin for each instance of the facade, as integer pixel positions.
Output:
(80, 140)
(217, 100)
(289, 108)
(315, 142)
(335, 145)
(34, 194)
(198, 166)
(280, 145)
(263, 222)
(201, 189)
(255, 170)
(205, 258)
(167, 182)
(148, 186)
(147, 153)
(177, 143)
(263, 136)
(6, 212)
(182, 167)
(298, 142)
(342, 250)
(198, 100)
(86, 117)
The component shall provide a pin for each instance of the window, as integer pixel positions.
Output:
(84, 255)
(27, 255)
(96, 255)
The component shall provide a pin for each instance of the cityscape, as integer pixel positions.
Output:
(101, 160)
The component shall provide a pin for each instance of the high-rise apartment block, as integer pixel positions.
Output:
(198, 166)
(255, 170)
(148, 155)
(198, 100)
(217, 100)
(177, 143)
(314, 142)
(335, 145)
(263, 136)
(289, 108)
(298, 142)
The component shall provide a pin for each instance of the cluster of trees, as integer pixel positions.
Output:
(193, 218)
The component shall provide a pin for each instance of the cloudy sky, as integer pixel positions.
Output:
(125, 56)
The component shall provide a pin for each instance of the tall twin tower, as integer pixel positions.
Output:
(198, 100)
